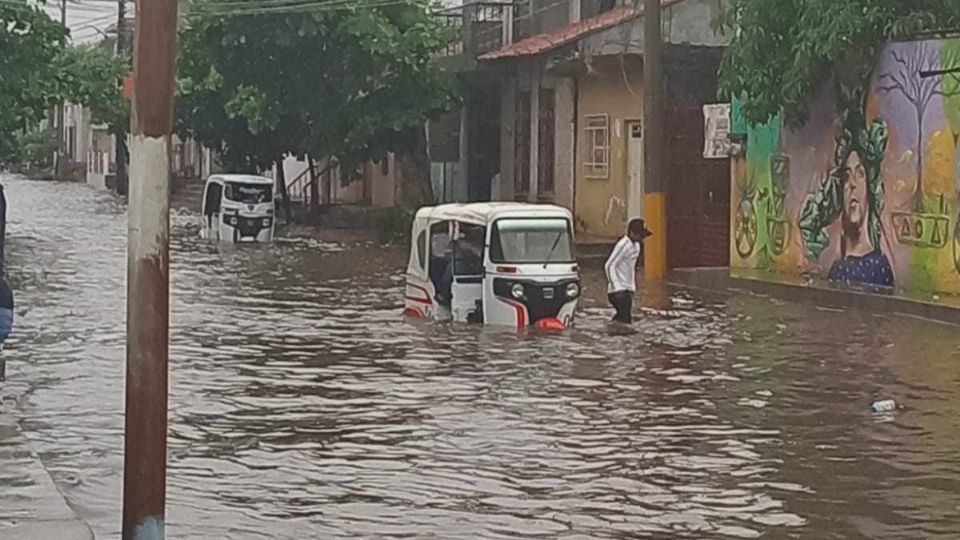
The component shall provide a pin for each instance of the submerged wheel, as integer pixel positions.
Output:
(745, 229)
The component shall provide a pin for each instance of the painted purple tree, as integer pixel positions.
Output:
(912, 78)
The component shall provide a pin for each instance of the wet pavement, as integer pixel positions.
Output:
(31, 506)
(303, 405)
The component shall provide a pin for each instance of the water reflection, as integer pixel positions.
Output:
(304, 406)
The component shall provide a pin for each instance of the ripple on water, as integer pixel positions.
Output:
(303, 406)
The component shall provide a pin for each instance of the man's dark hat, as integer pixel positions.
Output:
(646, 232)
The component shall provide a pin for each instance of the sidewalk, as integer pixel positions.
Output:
(31, 506)
(720, 279)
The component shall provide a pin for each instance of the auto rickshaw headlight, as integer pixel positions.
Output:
(266, 222)
(517, 291)
(573, 290)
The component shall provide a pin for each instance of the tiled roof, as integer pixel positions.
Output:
(568, 34)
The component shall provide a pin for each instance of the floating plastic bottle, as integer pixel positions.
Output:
(885, 405)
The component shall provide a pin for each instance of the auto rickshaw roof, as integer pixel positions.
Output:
(485, 213)
(242, 179)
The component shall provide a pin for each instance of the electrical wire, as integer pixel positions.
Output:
(301, 7)
(268, 7)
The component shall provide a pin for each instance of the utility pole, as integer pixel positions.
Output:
(120, 137)
(59, 164)
(148, 267)
(654, 198)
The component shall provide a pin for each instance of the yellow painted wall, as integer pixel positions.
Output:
(601, 204)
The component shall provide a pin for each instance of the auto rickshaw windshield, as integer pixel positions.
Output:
(531, 241)
(248, 193)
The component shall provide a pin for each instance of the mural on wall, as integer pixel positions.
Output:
(851, 194)
(868, 191)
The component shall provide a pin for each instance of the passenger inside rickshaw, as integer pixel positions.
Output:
(464, 260)
(440, 248)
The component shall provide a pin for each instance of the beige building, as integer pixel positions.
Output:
(569, 78)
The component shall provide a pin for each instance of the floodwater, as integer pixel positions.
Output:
(303, 405)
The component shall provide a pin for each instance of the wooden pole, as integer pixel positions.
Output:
(148, 267)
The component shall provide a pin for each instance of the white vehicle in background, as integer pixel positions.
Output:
(504, 264)
(238, 208)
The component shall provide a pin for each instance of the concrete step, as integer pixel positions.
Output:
(593, 248)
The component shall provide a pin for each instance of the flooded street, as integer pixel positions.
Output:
(303, 405)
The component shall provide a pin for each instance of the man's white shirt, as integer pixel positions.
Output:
(621, 266)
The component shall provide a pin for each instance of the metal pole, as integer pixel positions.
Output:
(61, 115)
(145, 436)
(655, 263)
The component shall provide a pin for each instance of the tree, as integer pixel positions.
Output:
(782, 51)
(349, 81)
(89, 76)
(206, 109)
(29, 43)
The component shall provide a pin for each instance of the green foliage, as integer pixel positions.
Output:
(29, 42)
(36, 148)
(91, 76)
(38, 71)
(783, 50)
(348, 82)
(32, 149)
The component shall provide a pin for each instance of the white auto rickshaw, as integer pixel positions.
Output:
(503, 264)
(238, 208)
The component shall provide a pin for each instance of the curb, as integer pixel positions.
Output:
(717, 279)
(31, 505)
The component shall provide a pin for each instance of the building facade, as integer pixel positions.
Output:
(569, 82)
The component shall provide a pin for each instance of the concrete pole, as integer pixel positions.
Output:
(145, 436)
(59, 166)
(654, 198)
(121, 181)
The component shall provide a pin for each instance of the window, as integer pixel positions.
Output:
(592, 8)
(522, 16)
(597, 163)
(440, 242)
(249, 193)
(214, 194)
(440, 246)
(520, 241)
(468, 253)
(421, 248)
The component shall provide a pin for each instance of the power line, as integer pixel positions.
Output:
(48, 9)
(304, 7)
(268, 7)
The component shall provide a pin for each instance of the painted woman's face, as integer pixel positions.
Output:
(854, 194)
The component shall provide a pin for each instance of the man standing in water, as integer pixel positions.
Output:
(621, 269)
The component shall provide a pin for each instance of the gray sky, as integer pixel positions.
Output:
(87, 18)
